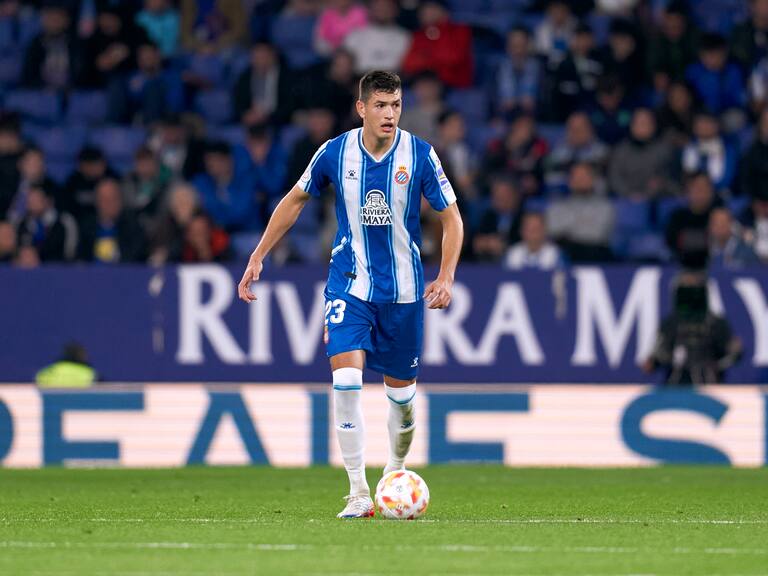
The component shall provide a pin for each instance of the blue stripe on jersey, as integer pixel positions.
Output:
(319, 154)
(434, 173)
(414, 263)
(391, 231)
(364, 229)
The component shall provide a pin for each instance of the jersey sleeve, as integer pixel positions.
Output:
(435, 185)
(315, 177)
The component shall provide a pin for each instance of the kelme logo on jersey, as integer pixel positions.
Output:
(375, 212)
(401, 176)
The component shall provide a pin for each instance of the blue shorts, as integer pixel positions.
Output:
(390, 334)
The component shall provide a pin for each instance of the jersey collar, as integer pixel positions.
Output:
(395, 142)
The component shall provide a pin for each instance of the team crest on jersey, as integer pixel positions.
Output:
(376, 211)
(401, 176)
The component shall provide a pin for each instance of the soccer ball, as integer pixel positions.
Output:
(402, 495)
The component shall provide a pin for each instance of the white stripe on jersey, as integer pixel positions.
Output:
(447, 193)
(352, 192)
(406, 280)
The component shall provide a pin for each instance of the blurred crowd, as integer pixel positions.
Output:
(573, 131)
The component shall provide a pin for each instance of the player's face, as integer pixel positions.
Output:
(381, 113)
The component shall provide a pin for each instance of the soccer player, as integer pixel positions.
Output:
(374, 312)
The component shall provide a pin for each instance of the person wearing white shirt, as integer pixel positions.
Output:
(535, 251)
(381, 44)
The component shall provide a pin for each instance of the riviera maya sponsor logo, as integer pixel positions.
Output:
(401, 176)
(375, 212)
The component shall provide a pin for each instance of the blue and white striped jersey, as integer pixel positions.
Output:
(376, 255)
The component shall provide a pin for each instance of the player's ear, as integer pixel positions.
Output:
(360, 107)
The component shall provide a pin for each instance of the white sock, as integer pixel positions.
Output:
(401, 424)
(350, 427)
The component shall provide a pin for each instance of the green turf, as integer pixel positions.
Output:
(482, 520)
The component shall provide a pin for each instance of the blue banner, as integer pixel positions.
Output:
(585, 324)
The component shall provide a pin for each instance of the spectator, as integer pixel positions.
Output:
(335, 87)
(160, 21)
(455, 153)
(53, 235)
(694, 345)
(18, 25)
(51, 58)
(686, 232)
(518, 76)
(710, 152)
(268, 166)
(204, 242)
(336, 21)
(32, 173)
(176, 147)
(78, 197)
(622, 57)
(610, 115)
(580, 146)
(11, 149)
(553, 34)
(534, 251)
(754, 164)
(212, 26)
(167, 238)
(27, 258)
(758, 87)
(520, 155)
(262, 93)
(319, 126)
(152, 91)
(582, 223)
(676, 115)
(72, 370)
(442, 46)
(749, 40)
(145, 186)
(755, 222)
(226, 190)
(110, 54)
(727, 248)
(421, 117)
(8, 243)
(292, 33)
(575, 77)
(673, 47)
(113, 234)
(382, 43)
(615, 8)
(500, 224)
(716, 81)
(641, 167)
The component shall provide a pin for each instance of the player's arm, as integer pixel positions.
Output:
(284, 216)
(438, 293)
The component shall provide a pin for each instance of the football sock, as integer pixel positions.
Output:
(401, 424)
(350, 427)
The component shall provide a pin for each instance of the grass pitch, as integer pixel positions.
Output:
(482, 520)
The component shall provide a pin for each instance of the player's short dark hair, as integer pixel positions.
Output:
(379, 81)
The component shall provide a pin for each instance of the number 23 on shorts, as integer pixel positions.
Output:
(337, 307)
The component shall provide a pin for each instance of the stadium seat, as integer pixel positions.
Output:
(293, 36)
(290, 134)
(664, 209)
(632, 219)
(552, 133)
(119, 143)
(10, 68)
(214, 105)
(38, 105)
(648, 247)
(243, 243)
(87, 106)
(472, 103)
(59, 170)
(62, 143)
(210, 67)
(232, 134)
(738, 204)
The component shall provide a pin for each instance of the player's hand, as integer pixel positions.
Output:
(251, 274)
(438, 294)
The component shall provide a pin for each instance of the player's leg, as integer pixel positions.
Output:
(401, 422)
(398, 339)
(348, 328)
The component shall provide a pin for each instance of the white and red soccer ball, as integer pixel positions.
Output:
(402, 495)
